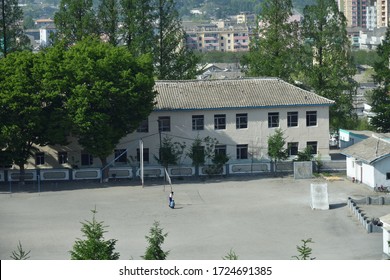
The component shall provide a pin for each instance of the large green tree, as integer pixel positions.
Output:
(12, 37)
(380, 97)
(273, 50)
(28, 112)
(173, 60)
(327, 66)
(75, 20)
(138, 19)
(110, 93)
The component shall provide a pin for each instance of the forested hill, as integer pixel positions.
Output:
(222, 8)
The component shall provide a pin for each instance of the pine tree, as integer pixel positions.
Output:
(155, 240)
(173, 60)
(12, 37)
(75, 21)
(327, 66)
(94, 247)
(108, 20)
(273, 48)
(276, 150)
(138, 19)
(380, 98)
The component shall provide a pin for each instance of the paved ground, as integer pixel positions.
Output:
(257, 218)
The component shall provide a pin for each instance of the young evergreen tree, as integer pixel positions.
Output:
(94, 247)
(327, 66)
(276, 150)
(12, 37)
(138, 19)
(108, 20)
(273, 50)
(380, 97)
(75, 20)
(20, 254)
(304, 250)
(155, 241)
(172, 59)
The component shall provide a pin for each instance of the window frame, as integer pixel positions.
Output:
(242, 121)
(62, 157)
(291, 146)
(220, 149)
(272, 122)
(122, 158)
(195, 122)
(146, 155)
(164, 123)
(84, 159)
(292, 119)
(313, 144)
(39, 158)
(309, 118)
(242, 151)
(217, 124)
(143, 126)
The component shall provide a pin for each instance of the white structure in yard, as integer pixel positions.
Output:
(368, 161)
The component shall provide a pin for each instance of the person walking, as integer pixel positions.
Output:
(171, 200)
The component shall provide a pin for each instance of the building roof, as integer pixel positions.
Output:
(232, 94)
(369, 150)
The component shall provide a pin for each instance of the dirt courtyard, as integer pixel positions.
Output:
(258, 218)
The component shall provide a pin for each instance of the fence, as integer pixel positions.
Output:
(371, 225)
(258, 168)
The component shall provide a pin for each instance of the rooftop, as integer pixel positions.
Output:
(234, 93)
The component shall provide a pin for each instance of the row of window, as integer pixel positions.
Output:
(164, 123)
(121, 154)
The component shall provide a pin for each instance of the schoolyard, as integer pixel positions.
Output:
(258, 218)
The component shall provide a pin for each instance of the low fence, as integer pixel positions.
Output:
(370, 224)
(126, 172)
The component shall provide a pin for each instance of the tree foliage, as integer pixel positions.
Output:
(12, 37)
(28, 112)
(155, 240)
(170, 152)
(20, 254)
(276, 150)
(304, 251)
(108, 20)
(380, 98)
(94, 246)
(274, 47)
(173, 60)
(75, 20)
(327, 66)
(110, 93)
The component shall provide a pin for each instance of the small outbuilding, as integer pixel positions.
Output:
(368, 161)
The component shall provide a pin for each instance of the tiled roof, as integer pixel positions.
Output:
(238, 93)
(369, 150)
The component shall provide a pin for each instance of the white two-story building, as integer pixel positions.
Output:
(241, 114)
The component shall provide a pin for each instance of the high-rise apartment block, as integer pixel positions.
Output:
(368, 14)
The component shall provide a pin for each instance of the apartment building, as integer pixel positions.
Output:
(217, 36)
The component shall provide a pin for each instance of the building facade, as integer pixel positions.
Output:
(240, 114)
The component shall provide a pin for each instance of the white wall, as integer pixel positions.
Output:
(381, 168)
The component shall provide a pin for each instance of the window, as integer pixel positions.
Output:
(86, 159)
(197, 122)
(388, 176)
(273, 119)
(164, 123)
(39, 158)
(311, 118)
(241, 121)
(144, 126)
(120, 155)
(242, 151)
(292, 148)
(219, 121)
(313, 146)
(62, 157)
(220, 150)
(146, 155)
(292, 119)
